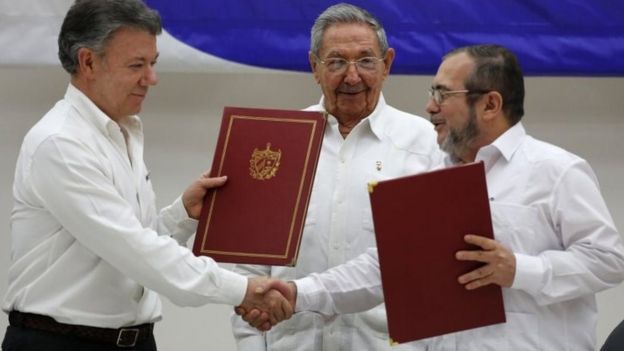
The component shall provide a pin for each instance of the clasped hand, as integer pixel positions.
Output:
(267, 302)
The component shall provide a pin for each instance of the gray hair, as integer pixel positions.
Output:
(345, 13)
(91, 23)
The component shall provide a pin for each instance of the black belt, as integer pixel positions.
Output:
(122, 337)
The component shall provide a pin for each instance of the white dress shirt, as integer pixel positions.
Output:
(547, 208)
(338, 227)
(88, 246)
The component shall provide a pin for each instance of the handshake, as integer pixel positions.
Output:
(267, 302)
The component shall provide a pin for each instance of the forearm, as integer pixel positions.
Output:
(352, 287)
(174, 222)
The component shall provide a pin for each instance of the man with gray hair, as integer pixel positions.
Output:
(90, 253)
(365, 140)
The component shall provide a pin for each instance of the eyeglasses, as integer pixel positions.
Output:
(340, 65)
(439, 95)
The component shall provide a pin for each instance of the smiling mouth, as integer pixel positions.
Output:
(437, 121)
(350, 92)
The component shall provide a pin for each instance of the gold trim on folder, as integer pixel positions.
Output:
(371, 186)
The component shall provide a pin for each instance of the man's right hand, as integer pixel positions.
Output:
(278, 299)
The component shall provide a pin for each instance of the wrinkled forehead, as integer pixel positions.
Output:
(357, 37)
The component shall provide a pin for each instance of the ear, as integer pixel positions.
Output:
(314, 65)
(86, 62)
(492, 105)
(388, 61)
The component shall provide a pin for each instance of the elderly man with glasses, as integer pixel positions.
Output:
(365, 140)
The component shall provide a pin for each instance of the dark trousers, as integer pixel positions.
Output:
(23, 339)
(615, 341)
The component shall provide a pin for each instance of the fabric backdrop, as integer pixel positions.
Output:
(556, 38)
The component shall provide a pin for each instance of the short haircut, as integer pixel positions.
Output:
(496, 69)
(91, 23)
(345, 13)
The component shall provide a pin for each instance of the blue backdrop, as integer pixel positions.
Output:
(560, 38)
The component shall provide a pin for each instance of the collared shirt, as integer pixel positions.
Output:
(338, 227)
(547, 208)
(88, 246)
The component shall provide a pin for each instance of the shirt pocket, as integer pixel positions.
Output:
(374, 321)
(366, 237)
(519, 333)
(301, 332)
(367, 220)
(308, 238)
(311, 216)
(516, 226)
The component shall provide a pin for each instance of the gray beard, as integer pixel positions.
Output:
(458, 141)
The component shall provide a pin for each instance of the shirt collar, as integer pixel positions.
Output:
(505, 145)
(508, 142)
(97, 117)
(375, 121)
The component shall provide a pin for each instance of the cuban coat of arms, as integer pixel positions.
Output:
(264, 164)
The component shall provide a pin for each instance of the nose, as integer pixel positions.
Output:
(431, 107)
(150, 77)
(352, 75)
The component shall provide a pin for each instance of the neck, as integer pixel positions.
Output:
(346, 124)
(90, 91)
(345, 129)
(468, 157)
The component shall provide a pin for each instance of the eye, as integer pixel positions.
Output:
(335, 64)
(367, 62)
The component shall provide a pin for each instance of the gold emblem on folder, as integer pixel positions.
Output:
(264, 163)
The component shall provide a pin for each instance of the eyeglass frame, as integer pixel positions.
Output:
(349, 62)
(442, 93)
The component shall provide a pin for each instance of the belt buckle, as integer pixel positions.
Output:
(127, 337)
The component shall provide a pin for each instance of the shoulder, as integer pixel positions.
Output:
(538, 152)
(60, 126)
(397, 120)
(409, 131)
(551, 161)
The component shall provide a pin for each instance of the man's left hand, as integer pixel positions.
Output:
(193, 197)
(499, 268)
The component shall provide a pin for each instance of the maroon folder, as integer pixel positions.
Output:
(420, 222)
(270, 158)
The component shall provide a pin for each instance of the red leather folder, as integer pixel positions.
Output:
(270, 158)
(420, 222)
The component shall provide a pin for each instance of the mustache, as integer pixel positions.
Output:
(436, 120)
(351, 89)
